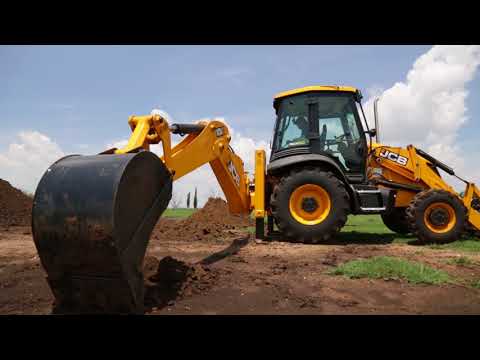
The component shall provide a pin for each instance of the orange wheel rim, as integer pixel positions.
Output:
(449, 218)
(310, 204)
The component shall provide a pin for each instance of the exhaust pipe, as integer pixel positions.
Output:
(377, 127)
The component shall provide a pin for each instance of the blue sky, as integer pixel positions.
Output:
(84, 94)
(80, 97)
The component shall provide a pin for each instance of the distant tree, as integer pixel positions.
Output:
(188, 200)
(175, 201)
(195, 201)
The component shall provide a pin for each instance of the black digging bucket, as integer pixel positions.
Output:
(92, 218)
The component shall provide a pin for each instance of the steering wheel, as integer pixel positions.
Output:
(340, 137)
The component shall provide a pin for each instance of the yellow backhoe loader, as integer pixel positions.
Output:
(93, 215)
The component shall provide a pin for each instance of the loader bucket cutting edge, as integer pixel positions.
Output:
(92, 218)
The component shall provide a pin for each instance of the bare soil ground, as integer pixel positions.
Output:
(240, 276)
(209, 264)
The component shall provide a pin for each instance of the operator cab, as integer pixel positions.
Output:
(321, 120)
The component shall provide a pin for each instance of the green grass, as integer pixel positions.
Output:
(467, 245)
(475, 284)
(178, 213)
(461, 261)
(366, 224)
(386, 267)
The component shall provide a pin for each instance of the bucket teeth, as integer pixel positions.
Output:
(92, 218)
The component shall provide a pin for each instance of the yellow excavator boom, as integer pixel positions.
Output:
(206, 142)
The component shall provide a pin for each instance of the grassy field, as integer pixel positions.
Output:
(178, 213)
(387, 267)
(368, 229)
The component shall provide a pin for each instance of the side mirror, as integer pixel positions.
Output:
(371, 132)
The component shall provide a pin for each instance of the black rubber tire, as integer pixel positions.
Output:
(415, 216)
(396, 221)
(295, 231)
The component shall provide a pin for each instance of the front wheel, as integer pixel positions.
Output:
(310, 205)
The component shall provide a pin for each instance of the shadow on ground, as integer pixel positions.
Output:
(353, 237)
(169, 279)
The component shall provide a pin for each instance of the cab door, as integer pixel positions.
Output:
(336, 131)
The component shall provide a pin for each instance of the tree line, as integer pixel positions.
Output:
(176, 201)
(195, 201)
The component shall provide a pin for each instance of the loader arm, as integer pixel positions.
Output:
(410, 170)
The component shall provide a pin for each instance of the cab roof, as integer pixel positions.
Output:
(315, 88)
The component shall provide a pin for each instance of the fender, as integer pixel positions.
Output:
(279, 164)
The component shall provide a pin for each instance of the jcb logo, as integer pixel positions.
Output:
(234, 173)
(402, 160)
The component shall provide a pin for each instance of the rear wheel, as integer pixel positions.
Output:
(437, 216)
(310, 205)
(396, 221)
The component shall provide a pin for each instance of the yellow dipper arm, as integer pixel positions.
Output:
(206, 142)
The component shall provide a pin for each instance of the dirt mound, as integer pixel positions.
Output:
(211, 223)
(15, 206)
(216, 211)
(170, 279)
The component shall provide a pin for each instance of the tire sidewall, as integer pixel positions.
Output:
(329, 184)
(396, 220)
(425, 233)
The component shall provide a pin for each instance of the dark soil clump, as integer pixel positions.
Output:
(15, 206)
(170, 279)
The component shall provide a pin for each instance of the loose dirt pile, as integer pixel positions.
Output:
(170, 279)
(212, 223)
(15, 206)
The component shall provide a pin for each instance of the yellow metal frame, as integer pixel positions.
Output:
(472, 191)
(211, 145)
(258, 195)
(415, 172)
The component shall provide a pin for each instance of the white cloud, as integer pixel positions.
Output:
(428, 108)
(117, 144)
(25, 161)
